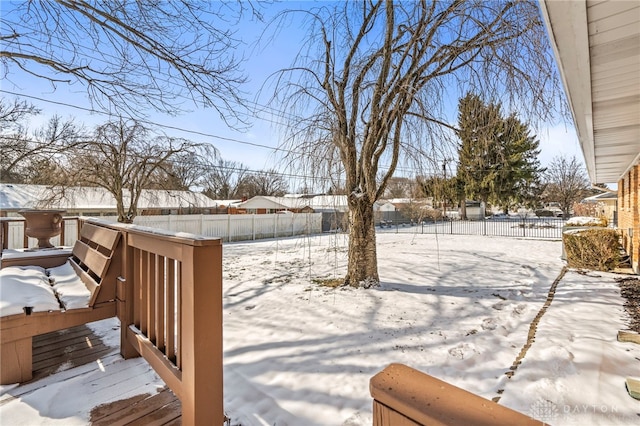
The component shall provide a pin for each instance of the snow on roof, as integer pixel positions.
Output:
(427, 200)
(270, 202)
(226, 203)
(22, 196)
(317, 202)
(329, 202)
(601, 196)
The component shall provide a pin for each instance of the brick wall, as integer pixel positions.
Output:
(629, 214)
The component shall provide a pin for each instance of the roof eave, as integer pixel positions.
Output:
(566, 24)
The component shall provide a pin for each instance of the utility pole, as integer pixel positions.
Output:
(444, 183)
(444, 186)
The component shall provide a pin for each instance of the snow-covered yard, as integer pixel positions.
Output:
(456, 307)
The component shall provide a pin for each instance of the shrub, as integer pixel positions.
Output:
(432, 214)
(596, 249)
(587, 221)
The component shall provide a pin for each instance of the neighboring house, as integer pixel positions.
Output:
(384, 211)
(226, 207)
(85, 201)
(328, 203)
(605, 205)
(408, 209)
(264, 204)
(334, 208)
(597, 49)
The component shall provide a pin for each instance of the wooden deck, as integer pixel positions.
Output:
(65, 349)
(162, 408)
(79, 346)
(166, 291)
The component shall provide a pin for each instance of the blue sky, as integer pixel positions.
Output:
(556, 139)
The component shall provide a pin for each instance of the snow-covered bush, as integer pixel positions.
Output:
(587, 221)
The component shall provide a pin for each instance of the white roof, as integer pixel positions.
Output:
(226, 203)
(317, 202)
(270, 202)
(602, 196)
(21, 196)
(427, 200)
(329, 202)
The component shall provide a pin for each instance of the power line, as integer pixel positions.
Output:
(164, 126)
(209, 167)
(254, 104)
(195, 132)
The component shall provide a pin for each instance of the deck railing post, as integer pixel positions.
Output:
(125, 297)
(201, 297)
(25, 239)
(5, 234)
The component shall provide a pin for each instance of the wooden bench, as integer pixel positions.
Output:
(96, 259)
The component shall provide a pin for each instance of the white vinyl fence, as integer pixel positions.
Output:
(235, 227)
(238, 227)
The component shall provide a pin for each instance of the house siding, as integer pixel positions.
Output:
(629, 214)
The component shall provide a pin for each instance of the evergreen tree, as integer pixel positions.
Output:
(479, 125)
(498, 157)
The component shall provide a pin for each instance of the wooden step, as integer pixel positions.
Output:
(633, 387)
(628, 336)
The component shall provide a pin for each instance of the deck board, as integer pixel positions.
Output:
(142, 409)
(64, 350)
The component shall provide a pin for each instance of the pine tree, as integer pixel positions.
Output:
(498, 157)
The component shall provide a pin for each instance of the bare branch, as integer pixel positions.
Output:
(376, 85)
(160, 54)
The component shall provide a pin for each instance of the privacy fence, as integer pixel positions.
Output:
(238, 227)
(227, 227)
(523, 227)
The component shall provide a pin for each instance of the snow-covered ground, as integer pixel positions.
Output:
(456, 307)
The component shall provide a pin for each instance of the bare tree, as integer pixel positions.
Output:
(371, 90)
(124, 158)
(566, 183)
(225, 179)
(270, 183)
(398, 187)
(13, 114)
(129, 54)
(184, 171)
(28, 155)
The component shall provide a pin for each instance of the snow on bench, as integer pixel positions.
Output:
(34, 300)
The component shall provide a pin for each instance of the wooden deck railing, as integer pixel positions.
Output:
(170, 308)
(403, 396)
(169, 302)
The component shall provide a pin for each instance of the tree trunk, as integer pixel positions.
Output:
(463, 209)
(363, 263)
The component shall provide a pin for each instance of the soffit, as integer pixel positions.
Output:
(597, 47)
